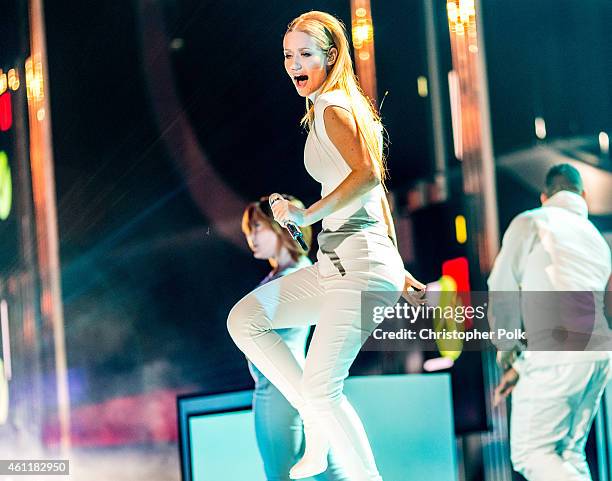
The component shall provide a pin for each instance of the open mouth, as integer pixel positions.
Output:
(300, 80)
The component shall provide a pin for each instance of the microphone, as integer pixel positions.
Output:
(293, 229)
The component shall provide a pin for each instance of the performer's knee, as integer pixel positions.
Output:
(246, 320)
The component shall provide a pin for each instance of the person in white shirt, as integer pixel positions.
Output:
(555, 394)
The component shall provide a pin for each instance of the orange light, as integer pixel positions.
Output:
(13, 79)
(35, 85)
(362, 32)
(362, 38)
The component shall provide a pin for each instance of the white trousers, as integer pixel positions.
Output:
(552, 412)
(327, 294)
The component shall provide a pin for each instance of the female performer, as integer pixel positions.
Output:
(357, 252)
(278, 427)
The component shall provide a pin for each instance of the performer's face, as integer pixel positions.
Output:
(305, 63)
(263, 241)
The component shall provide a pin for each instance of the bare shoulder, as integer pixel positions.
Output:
(339, 122)
(341, 128)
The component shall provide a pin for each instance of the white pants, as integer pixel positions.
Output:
(327, 294)
(278, 426)
(552, 412)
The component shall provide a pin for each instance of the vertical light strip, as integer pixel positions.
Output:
(467, 47)
(455, 107)
(468, 59)
(43, 191)
(435, 90)
(476, 149)
(363, 43)
(6, 340)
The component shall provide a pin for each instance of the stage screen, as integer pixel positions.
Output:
(209, 456)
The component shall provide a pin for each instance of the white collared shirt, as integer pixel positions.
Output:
(552, 248)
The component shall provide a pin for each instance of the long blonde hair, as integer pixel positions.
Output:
(327, 32)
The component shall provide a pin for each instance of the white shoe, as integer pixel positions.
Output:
(314, 460)
(305, 468)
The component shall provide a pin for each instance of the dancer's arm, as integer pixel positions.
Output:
(342, 130)
(505, 279)
(410, 282)
(505, 386)
(389, 220)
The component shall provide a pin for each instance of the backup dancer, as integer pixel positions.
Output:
(278, 427)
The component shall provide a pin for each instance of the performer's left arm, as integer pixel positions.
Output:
(410, 282)
(389, 220)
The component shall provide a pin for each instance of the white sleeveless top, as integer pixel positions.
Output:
(325, 164)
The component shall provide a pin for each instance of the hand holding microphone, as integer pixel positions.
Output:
(282, 214)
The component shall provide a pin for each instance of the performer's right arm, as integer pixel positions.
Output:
(342, 131)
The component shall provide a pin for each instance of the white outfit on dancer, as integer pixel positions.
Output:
(553, 248)
(355, 254)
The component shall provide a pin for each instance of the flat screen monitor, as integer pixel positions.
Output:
(408, 418)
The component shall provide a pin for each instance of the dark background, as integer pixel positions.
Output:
(148, 277)
(147, 280)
